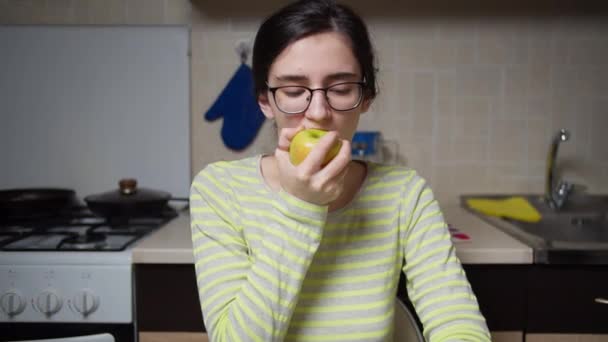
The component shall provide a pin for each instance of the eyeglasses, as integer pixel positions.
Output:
(296, 99)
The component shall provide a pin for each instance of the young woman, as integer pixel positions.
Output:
(313, 252)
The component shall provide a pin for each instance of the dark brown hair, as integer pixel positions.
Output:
(304, 18)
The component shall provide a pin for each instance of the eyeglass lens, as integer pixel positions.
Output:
(295, 99)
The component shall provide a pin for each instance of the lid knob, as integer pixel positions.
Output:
(128, 186)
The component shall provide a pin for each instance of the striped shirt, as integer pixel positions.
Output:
(271, 267)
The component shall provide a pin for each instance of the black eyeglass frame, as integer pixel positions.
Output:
(311, 91)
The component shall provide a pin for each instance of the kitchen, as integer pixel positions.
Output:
(472, 95)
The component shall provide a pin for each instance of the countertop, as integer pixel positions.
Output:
(171, 244)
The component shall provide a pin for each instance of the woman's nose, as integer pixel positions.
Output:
(318, 109)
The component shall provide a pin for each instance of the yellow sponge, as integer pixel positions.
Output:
(517, 208)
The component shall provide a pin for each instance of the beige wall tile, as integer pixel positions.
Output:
(145, 11)
(100, 12)
(220, 47)
(177, 12)
(392, 128)
(564, 79)
(451, 180)
(544, 50)
(507, 141)
(529, 80)
(415, 53)
(394, 93)
(413, 29)
(564, 112)
(383, 40)
(424, 98)
(501, 52)
(592, 80)
(598, 135)
(458, 29)
(502, 42)
(418, 156)
(539, 108)
(471, 101)
(60, 12)
(24, 11)
(589, 52)
(477, 81)
(574, 27)
(472, 150)
(245, 25)
(82, 12)
(538, 137)
(450, 53)
(473, 112)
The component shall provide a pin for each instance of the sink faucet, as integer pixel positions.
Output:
(556, 192)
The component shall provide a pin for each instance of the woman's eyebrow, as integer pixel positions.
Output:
(342, 76)
(291, 78)
(339, 76)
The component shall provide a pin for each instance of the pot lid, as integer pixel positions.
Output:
(128, 192)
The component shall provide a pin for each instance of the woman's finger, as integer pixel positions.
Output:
(338, 165)
(314, 161)
(286, 135)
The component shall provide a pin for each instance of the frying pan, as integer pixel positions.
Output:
(35, 202)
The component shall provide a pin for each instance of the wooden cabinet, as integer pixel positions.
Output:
(166, 298)
(528, 299)
(501, 293)
(568, 299)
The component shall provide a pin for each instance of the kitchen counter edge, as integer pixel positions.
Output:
(172, 244)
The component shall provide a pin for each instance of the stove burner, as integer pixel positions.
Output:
(84, 241)
(77, 230)
(16, 229)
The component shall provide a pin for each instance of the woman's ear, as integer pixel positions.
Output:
(367, 102)
(265, 106)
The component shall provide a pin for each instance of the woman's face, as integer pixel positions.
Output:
(316, 61)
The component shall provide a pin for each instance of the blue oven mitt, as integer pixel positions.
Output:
(239, 107)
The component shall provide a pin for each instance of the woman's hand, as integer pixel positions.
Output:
(309, 181)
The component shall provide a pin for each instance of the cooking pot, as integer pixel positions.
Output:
(129, 201)
(35, 202)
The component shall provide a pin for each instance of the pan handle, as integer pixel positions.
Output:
(179, 199)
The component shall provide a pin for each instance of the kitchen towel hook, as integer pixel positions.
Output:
(243, 49)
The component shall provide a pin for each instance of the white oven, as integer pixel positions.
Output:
(81, 108)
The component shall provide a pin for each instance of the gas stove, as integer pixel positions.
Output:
(70, 274)
(77, 230)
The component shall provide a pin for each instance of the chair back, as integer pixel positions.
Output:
(406, 328)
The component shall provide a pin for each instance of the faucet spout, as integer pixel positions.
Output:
(555, 193)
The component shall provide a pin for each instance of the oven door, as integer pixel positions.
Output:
(38, 331)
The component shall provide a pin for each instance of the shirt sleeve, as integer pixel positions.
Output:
(249, 293)
(436, 282)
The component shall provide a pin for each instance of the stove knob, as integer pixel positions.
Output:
(12, 303)
(48, 302)
(86, 302)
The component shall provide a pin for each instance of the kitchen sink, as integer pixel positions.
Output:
(577, 233)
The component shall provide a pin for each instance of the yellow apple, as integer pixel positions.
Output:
(304, 141)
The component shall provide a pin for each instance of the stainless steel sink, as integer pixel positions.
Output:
(577, 233)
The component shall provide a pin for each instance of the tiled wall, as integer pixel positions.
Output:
(471, 97)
